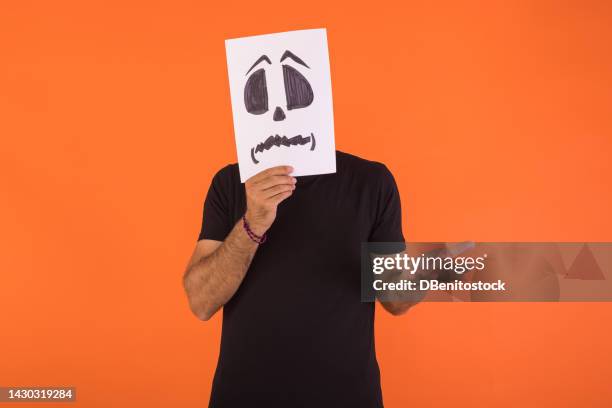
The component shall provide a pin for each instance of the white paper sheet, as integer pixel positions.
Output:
(283, 112)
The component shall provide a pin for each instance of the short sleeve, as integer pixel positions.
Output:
(387, 226)
(216, 216)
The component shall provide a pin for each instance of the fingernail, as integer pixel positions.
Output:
(294, 180)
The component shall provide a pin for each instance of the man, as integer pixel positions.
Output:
(295, 332)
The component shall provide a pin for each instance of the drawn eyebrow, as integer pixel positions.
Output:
(262, 58)
(289, 54)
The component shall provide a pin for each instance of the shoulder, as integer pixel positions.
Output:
(227, 175)
(369, 170)
(227, 172)
(226, 181)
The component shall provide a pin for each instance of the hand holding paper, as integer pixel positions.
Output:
(264, 192)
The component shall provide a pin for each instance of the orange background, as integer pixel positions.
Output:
(114, 115)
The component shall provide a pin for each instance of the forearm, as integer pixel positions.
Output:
(211, 281)
(398, 303)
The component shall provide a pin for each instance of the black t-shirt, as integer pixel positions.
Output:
(296, 333)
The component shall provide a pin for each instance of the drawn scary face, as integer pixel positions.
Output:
(297, 95)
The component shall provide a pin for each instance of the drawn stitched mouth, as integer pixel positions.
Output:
(278, 141)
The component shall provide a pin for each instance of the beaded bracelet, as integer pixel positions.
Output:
(259, 239)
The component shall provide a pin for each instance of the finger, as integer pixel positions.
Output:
(281, 188)
(276, 200)
(457, 248)
(275, 180)
(272, 171)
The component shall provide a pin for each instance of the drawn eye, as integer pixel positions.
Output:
(256, 93)
(297, 89)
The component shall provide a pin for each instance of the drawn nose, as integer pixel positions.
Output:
(278, 114)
